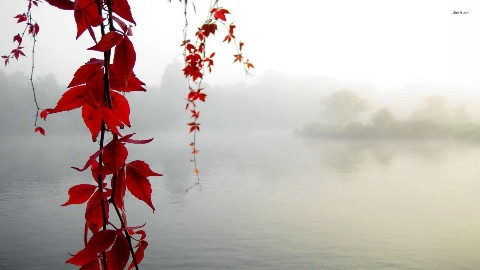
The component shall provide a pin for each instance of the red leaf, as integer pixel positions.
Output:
(72, 99)
(117, 83)
(86, 15)
(122, 9)
(40, 130)
(143, 168)
(219, 14)
(137, 182)
(99, 242)
(140, 253)
(36, 29)
(21, 18)
(114, 155)
(17, 52)
(93, 213)
(18, 39)
(80, 194)
(84, 73)
(238, 57)
(93, 120)
(94, 92)
(92, 265)
(107, 42)
(124, 60)
(90, 161)
(121, 107)
(194, 126)
(117, 257)
(61, 4)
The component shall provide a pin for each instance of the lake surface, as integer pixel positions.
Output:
(266, 201)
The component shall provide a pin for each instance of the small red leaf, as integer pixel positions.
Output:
(80, 194)
(140, 253)
(219, 14)
(40, 130)
(21, 18)
(18, 39)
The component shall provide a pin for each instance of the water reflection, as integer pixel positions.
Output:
(267, 201)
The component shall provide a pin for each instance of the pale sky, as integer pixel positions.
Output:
(384, 43)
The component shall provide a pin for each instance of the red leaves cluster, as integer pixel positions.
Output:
(31, 28)
(98, 89)
(197, 61)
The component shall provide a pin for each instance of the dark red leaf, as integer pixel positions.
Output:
(18, 39)
(99, 242)
(21, 18)
(140, 253)
(117, 257)
(92, 265)
(94, 212)
(61, 4)
(122, 9)
(80, 194)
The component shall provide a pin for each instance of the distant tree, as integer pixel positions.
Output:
(383, 118)
(433, 109)
(343, 107)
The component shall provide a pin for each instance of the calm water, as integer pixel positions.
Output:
(267, 201)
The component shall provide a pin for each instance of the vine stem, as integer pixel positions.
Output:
(107, 99)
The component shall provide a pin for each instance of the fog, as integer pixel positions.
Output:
(308, 106)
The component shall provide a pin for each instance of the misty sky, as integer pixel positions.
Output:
(387, 44)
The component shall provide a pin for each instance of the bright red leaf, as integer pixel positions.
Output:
(137, 183)
(107, 42)
(219, 14)
(86, 16)
(80, 194)
(84, 73)
(124, 61)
